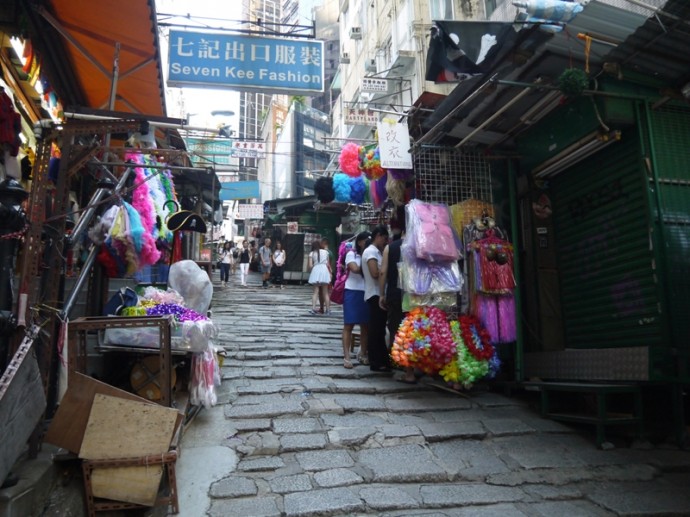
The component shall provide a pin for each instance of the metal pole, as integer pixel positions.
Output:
(515, 236)
(86, 217)
(439, 125)
(113, 85)
(494, 116)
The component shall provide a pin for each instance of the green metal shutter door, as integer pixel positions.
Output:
(671, 133)
(609, 296)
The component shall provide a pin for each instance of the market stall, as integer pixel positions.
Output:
(456, 268)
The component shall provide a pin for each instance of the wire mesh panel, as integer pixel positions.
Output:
(446, 175)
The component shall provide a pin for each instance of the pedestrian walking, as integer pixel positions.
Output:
(391, 295)
(319, 277)
(355, 309)
(278, 264)
(245, 259)
(235, 259)
(225, 257)
(265, 261)
(372, 258)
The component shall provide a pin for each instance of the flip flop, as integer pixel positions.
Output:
(347, 364)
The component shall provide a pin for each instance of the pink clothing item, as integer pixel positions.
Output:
(434, 237)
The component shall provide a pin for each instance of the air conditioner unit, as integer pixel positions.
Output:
(345, 58)
(355, 32)
(370, 65)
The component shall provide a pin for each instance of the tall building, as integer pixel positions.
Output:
(254, 106)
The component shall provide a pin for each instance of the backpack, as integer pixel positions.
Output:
(338, 292)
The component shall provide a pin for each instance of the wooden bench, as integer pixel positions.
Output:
(602, 417)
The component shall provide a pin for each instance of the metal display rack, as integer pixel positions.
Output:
(78, 329)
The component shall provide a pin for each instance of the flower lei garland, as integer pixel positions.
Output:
(424, 340)
(464, 368)
(476, 338)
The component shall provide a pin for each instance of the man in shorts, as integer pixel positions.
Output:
(265, 261)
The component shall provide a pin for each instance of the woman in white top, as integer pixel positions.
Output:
(278, 264)
(355, 309)
(319, 277)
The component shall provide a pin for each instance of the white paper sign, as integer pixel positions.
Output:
(375, 85)
(394, 145)
(251, 211)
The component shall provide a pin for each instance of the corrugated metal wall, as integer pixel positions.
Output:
(671, 138)
(601, 219)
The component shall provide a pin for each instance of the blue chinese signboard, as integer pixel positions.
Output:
(239, 190)
(246, 62)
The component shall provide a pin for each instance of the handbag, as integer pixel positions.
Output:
(338, 292)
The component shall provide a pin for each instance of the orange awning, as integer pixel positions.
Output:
(88, 33)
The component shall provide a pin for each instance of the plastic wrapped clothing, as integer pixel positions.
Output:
(193, 284)
(431, 231)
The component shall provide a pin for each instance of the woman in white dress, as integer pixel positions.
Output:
(319, 277)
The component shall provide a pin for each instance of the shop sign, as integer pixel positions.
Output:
(244, 149)
(394, 145)
(251, 211)
(375, 85)
(281, 65)
(239, 190)
(360, 117)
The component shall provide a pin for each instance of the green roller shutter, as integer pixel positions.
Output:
(671, 138)
(601, 220)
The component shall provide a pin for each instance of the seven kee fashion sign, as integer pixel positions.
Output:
(246, 62)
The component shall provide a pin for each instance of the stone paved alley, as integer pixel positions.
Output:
(296, 434)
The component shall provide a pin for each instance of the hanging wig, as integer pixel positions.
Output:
(357, 190)
(323, 188)
(341, 186)
(370, 159)
(395, 189)
(381, 188)
(401, 174)
(349, 159)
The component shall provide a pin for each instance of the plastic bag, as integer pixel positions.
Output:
(205, 377)
(430, 233)
(193, 284)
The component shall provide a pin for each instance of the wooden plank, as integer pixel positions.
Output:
(119, 428)
(138, 485)
(22, 403)
(69, 423)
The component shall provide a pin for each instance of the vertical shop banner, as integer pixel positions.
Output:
(251, 63)
(394, 145)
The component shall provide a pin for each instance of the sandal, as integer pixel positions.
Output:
(363, 359)
(347, 364)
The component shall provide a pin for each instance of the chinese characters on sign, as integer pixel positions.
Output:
(255, 211)
(362, 117)
(243, 149)
(371, 84)
(394, 145)
(245, 62)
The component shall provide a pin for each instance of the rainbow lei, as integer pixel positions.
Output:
(424, 340)
(464, 368)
